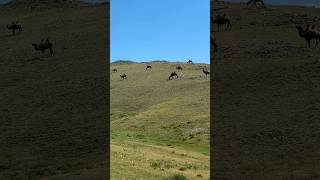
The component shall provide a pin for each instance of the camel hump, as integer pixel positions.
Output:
(47, 41)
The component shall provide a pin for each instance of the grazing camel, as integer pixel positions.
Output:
(148, 67)
(206, 72)
(213, 42)
(172, 75)
(179, 68)
(315, 30)
(114, 70)
(307, 35)
(255, 2)
(14, 26)
(190, 62)
(43, 45)
(123, 76)
(220, 20)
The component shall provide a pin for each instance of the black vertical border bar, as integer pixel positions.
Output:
(212, 59)
(107, 81)
(211, 122)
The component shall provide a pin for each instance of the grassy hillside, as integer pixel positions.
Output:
(266, 96)
(53, 108)
(154, 119)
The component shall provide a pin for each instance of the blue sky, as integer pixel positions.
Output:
(173, 30)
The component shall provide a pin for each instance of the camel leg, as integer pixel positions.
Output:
(308, 43)
(51, 51)
(13, 31)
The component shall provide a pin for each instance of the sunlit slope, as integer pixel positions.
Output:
(148, 104)
(134, 160)
(159, 127)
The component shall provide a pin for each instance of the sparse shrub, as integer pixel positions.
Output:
(199, 175)
(176, 177)
(195, 166)
(161, 164)
(182, 169)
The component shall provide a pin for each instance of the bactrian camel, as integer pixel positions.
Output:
(43, 45)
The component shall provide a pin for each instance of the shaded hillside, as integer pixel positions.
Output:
(266, 100)
(44, 4)
(53, 108)
(283, 2)
(152, 110)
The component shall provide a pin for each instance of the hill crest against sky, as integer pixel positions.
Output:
(286, 2)
(89, 1)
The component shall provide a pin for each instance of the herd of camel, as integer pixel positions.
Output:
(308, 32)
(171, 76)
(42, 46)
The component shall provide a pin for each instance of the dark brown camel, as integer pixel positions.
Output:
(114, 70)
(14, 26)
(307, 35)
(148, 67)
(315, 30)
(43, 45)
(123, 76)
(172, 75)
(255, 2)
(220, 20)
(206, 72)
(179, 68)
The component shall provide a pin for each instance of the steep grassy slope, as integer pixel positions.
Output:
(53, 108)
(266, 94)
(161, 116)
